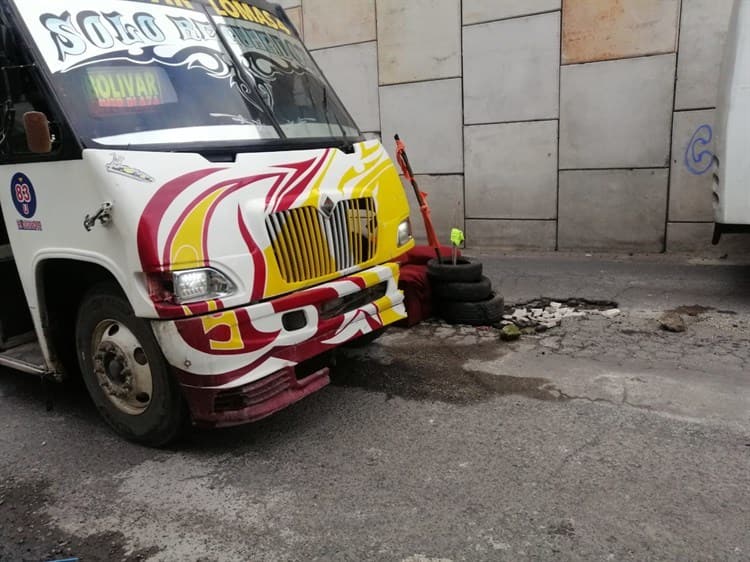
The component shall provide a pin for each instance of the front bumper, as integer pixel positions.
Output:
(242, 365)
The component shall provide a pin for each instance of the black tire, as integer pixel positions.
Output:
(484, 313)
(465, 270)
(463, 292)
(367, 339)
(166, 414)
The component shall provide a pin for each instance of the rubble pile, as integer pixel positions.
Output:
(544, 314)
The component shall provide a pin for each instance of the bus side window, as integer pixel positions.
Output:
(25, 96)
(19, 94)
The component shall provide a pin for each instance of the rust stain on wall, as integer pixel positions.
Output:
(596, 30)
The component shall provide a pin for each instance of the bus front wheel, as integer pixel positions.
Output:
(125, 372)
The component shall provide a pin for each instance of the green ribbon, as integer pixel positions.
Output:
(457, 237)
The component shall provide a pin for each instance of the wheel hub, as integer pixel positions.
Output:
(122, 368)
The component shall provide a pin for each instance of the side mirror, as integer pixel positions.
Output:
(38, 136)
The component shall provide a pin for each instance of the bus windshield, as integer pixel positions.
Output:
(133, 73)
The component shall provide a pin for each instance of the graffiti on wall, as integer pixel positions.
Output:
(698, 156)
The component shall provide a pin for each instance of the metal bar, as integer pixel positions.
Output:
(312, 238)
(23, 366)
(300, 250)
(341, 235)
(357, 217)
(327, 226)
(372, 227)
(280, 248)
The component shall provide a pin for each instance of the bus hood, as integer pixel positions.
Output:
(271, 222)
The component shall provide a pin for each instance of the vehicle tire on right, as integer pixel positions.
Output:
(463, 292)
(483, 313)
(465, 271)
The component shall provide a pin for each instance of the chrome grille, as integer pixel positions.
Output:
(308, 245)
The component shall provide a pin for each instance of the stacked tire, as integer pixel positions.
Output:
(462, 294)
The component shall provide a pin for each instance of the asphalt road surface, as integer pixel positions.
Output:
(604, 439)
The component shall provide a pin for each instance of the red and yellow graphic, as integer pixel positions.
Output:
(312, 235)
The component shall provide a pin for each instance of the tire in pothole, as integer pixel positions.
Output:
(482, 313)
(463, 292)
(465, 271)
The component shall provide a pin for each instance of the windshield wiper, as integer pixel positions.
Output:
(241, 75)
(343, 143)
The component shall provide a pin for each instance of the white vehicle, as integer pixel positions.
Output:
(731, 164)
(190, 217)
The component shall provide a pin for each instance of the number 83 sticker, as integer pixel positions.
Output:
(23, 195)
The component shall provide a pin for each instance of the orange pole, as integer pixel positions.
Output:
(403, 161)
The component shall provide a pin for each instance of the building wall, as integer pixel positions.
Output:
(539, 124)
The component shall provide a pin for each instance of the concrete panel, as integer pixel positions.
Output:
(511, 70)
(510, 234)
(690, 193)
(332, 22)
(511, 170)
(613, 210)
(419, 40)
(595, 30)
(353, 72)
(477, 11)
(702, 38)
(286, 4)
(295, 14)
(427, 115)
(695, 238)
(617, 114)
(446, 200)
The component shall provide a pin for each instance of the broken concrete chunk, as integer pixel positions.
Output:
(611, 313)
(672, 322)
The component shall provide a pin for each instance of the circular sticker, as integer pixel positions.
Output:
(23, 195)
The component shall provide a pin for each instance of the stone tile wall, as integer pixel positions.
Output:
(539, 124)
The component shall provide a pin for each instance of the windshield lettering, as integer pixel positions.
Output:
(220, 71)
(192, 30)
(65, 36)
(92, 30)
(243, 11)
(250, 39)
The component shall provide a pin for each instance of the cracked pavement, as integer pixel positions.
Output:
(604, 439)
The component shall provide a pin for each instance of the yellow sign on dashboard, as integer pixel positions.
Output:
(129, 87)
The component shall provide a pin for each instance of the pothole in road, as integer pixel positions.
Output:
(695, 310)
(427, 362)
(434, 372)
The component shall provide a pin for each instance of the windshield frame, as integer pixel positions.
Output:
(284, 142)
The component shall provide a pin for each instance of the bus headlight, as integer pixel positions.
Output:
(404, 233)
(196, 285)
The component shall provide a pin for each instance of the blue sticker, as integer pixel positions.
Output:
(23, 195)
